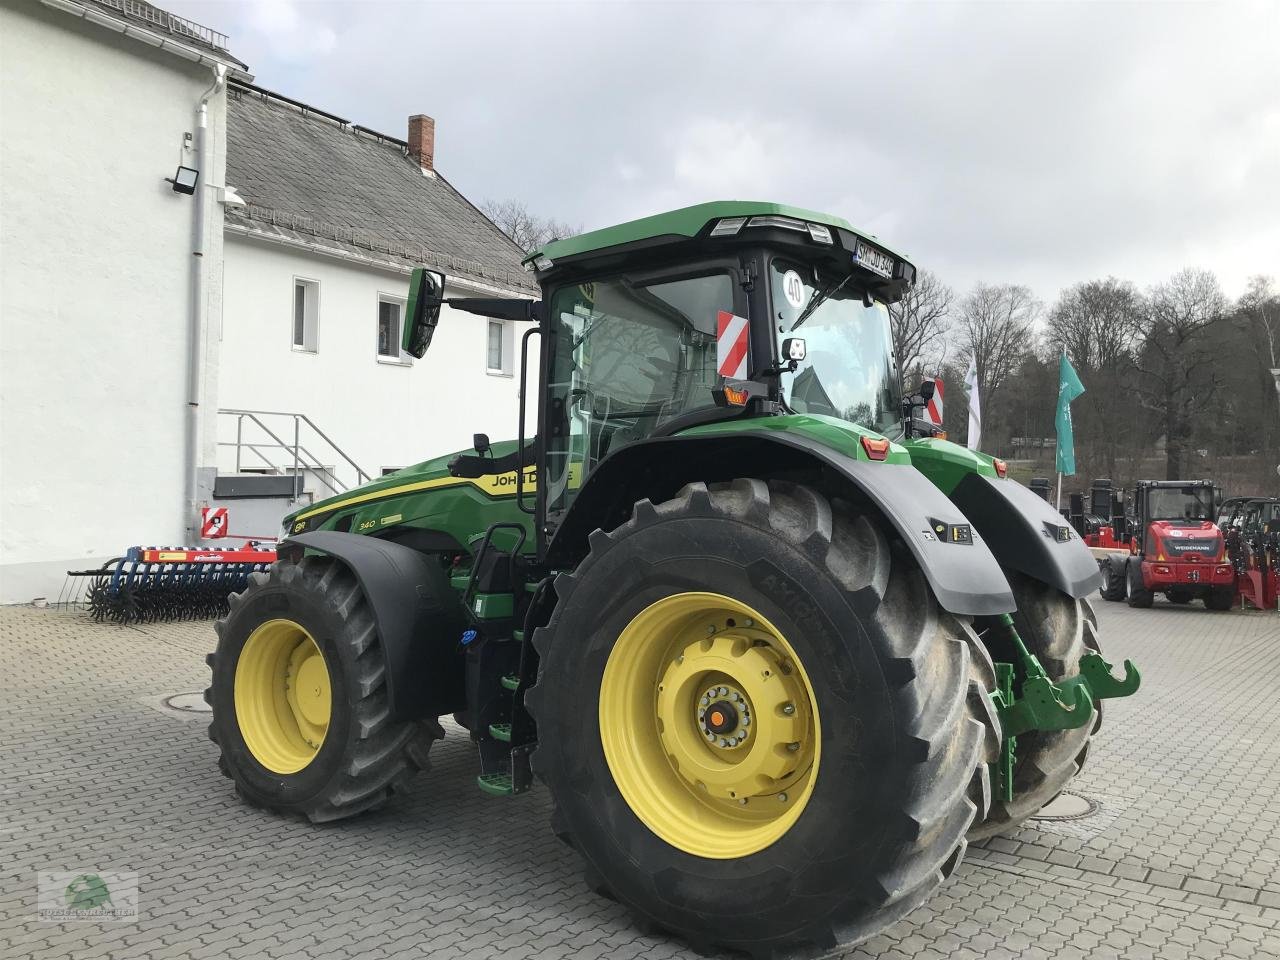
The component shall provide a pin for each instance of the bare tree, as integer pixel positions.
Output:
(994, 330)
(1098, 324)
(527, 231)
(1177, 360)
(1261, 305)
(919, 321)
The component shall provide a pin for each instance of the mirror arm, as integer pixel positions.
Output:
(499, 308)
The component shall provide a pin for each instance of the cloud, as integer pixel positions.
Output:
(1031, 143)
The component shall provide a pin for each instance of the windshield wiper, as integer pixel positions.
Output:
(818, 300)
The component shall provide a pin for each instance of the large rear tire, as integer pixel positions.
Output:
(299, 697)
(1058, 630)
(891, 727)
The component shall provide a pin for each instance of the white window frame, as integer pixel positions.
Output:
(311, 315)
(401, 359)
(507, 341)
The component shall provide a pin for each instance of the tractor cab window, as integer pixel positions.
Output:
(849, 369)
(627, 358)
(1180, 503)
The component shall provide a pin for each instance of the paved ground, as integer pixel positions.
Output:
(1182, 861)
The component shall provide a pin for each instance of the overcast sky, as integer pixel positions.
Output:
(1034, 143)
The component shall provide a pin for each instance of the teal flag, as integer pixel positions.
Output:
(1069, 387)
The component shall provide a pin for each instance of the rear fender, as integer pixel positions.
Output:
(418, 615)
(1026, 534)
(965, 576)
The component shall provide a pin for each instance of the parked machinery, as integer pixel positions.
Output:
(775, 656)
(1251, 527)
(1165, 542)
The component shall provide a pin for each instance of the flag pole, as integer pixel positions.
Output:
(1059, 492)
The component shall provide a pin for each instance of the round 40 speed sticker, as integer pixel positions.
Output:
(793, 289)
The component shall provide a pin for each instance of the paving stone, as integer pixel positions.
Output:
(95, 777)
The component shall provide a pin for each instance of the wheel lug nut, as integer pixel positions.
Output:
(788, 708)
(705, 700)
(782, 797)
(748, 622)
(743, 801)
(724, 691)
(711, 628)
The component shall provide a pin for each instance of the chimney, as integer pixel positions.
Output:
(422, 141)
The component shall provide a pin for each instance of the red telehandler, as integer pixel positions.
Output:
(1166, 542)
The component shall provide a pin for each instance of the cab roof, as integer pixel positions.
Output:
(684, 223)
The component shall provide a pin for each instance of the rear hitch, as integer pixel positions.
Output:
(1095, 676)
(1039, 705)
(1044, 705)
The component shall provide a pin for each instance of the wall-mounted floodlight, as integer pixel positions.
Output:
(184, 181)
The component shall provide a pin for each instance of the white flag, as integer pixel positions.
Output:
(975, 407)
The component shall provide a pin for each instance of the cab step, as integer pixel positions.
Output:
(500, 731)
(511, 681)
(496, 784)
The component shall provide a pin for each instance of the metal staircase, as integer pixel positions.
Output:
(281, 443)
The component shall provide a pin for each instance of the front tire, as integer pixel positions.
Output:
(299, 697)
(1139, 595)
(892, 715)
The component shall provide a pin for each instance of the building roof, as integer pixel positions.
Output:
(157, 21)
(310, 177)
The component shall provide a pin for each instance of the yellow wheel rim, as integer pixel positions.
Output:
(283, 696)
(709, 725)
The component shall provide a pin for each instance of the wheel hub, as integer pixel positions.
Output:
(725, 715)
(283, 697)
(740, 695)
(722, 758)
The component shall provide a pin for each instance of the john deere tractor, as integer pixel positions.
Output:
(775, 651)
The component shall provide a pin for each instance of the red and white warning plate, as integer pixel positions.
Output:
(731, 345)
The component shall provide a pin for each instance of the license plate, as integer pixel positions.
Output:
(874, 259)
(1193, 575)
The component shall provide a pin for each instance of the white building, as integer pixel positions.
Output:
(126, 322)
(317, 272)
(99, 103)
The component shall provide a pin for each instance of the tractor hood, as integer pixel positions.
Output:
(428, 475)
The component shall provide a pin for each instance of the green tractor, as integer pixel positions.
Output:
(776, 651)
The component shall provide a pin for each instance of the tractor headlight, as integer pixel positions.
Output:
(728, 227)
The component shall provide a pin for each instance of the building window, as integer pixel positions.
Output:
(497, 342)
(390, 316)
(306, 310)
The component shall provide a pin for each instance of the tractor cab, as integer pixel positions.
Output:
(714, 313)
(1172, 519)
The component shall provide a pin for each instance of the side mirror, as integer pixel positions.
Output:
(480, 443)
(927, 388)
(426, 295)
